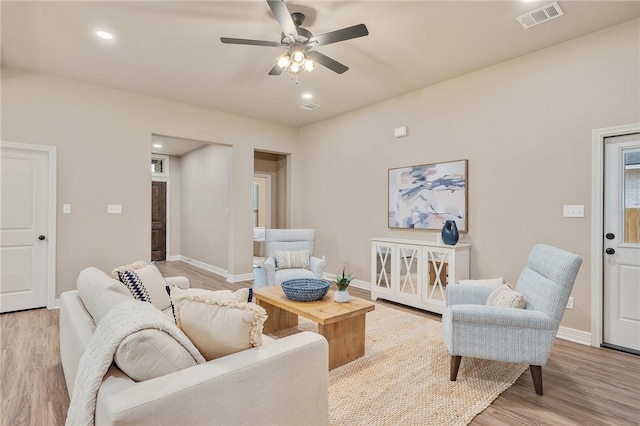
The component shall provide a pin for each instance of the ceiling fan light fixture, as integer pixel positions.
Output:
(297, 57)
(283, 61)
(294, 68)
(308, 65)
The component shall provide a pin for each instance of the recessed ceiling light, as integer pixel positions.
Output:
(157, 145)
(307, 95)
(104, 35)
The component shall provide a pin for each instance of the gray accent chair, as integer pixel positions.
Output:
(287, 240)
(472, 329)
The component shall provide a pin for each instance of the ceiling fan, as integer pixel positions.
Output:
(299, 41)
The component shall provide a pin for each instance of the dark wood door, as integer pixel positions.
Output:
(158, 220)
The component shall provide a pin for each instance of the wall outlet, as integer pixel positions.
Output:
(570, 303)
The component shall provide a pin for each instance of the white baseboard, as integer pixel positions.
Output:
(54, 305)
(573, 335)
(364, 285)
(240, 277)
(216, 270)
(173, 258)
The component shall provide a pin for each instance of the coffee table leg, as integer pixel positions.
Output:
(278, 319)
(346, 340)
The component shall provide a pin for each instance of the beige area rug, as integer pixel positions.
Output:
(403, 378)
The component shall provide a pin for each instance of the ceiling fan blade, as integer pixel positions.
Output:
(348, 33)
(279, 8)
(332, 64)
(276, 70)
(228, 40)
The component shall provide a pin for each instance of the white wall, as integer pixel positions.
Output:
(205, 198)
(524, 125)
(103, 141)
(175, 201)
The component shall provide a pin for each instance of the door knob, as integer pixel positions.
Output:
(609, 251)
(609, 236)
(41, 237)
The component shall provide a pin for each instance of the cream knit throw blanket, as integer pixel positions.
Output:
(122, 320)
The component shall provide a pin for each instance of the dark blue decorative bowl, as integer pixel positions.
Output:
(305, 289)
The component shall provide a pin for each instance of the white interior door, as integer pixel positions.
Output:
(621, 268)
(24, 227)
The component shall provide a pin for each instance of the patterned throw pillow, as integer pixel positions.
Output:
(506, 297)
(147, 285)
(218, 323)
(292, 259)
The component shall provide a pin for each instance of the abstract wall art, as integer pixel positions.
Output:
(425, 196)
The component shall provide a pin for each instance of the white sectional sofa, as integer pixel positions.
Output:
(282, 382)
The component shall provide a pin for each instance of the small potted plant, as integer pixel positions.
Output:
(342, 281)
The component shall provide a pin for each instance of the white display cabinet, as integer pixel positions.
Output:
(416, 272)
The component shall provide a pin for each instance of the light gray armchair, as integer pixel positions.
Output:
(287, 240)
(472, 329)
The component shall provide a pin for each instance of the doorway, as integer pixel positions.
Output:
(616, 240)
(622, 242)
(28, 188)
(270, 202)
(158, 220)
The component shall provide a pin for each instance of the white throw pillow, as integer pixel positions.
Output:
(216, 322)
(151, 353)
(298, 259)
(147, 285)
(506, 297)
(138, 264)
(225, 296)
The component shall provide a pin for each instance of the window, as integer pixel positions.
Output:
(159, 165)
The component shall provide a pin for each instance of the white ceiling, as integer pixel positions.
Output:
(172, 49)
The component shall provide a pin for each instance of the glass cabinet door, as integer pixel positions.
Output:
(383, 261)
(437, 263)
(409, 270)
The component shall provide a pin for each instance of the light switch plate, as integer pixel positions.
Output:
(66, 208)
(114, 208)
(576, 210)
(400, 132)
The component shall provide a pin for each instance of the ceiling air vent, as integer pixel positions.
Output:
(310, 106)
(538, 16)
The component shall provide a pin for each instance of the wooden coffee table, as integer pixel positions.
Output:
(342, 324)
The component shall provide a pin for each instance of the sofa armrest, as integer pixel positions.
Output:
(283, 382)
(317, 266)
(496, 316)
(179, 281)
(467, 294)
(269, 265)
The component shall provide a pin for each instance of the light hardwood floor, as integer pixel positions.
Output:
(582, 385)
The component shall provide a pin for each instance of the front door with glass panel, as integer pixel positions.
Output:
(621, 243)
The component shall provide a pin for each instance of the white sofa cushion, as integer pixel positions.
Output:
(151, 353)
(218, 323)
(147, 285)
(99, 292)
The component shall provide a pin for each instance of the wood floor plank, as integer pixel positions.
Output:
(582, 385)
